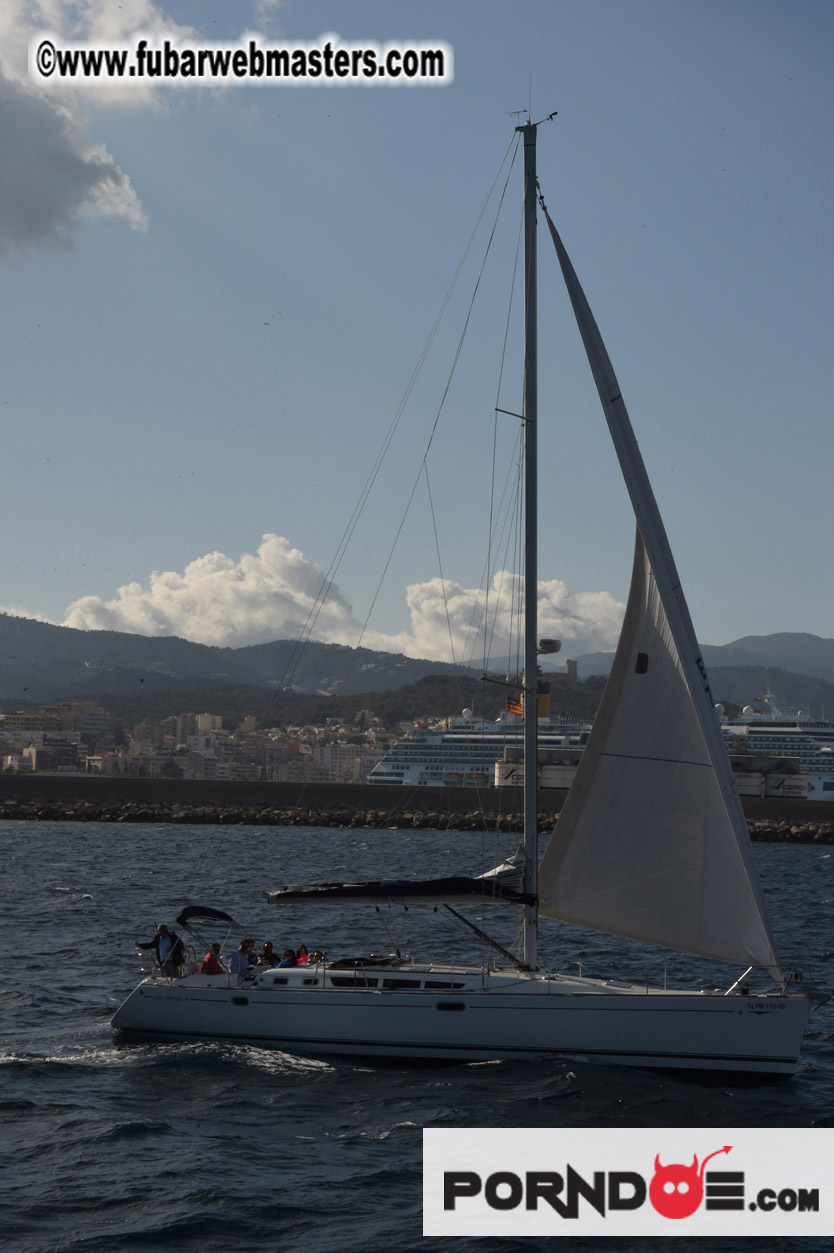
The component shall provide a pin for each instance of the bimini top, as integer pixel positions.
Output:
(205, 912)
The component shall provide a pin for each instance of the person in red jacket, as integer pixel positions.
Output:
(211, 962)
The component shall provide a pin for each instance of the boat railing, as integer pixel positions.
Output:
(147, 961)
(150, 968)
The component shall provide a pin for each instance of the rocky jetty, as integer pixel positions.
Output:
(775, 830)
(266, 816)
(791, 832)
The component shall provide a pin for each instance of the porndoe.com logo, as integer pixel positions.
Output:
(629, 1181)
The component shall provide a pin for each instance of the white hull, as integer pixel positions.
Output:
(499, 1015)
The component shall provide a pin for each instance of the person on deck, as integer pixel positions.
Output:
(267, 956)
(169, 949)
(302, 955)
(289, 958)
(211, 962)
(240, 961)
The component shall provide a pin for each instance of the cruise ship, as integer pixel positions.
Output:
(773, 753)
(470, 752)
(779, 754)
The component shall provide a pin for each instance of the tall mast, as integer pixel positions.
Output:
(530, 412)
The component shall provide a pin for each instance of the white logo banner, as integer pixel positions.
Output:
(593, 1181)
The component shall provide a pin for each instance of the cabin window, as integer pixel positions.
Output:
(240, 1000)
(401, 983)
(307, 982)
(449, 1006)
(442, 983)
(642, 663)
(279, 979)
(352, 981)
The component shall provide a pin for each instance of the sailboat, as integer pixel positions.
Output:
(651, 844)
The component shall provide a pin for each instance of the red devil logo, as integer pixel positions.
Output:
(676, 1191)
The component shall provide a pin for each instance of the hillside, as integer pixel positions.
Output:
(40, 662)
(136, 676)
(794, 651)
(741, 685)
(433, 696)
(797, 668)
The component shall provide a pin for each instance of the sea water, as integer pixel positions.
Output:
(110, 1146)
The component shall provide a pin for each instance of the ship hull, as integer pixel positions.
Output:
(506, 1017)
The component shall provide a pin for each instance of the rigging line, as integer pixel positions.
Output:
(482, 935)
(347, 535)
(478, 607)
(515, 537)
(443, 399)
(491, 624)
(512, 523)
(485, 623)
(389, 929)
(458, 678)
(481, 609)
(495, 428)
(207, 859)
(440, 568)
(519, 564)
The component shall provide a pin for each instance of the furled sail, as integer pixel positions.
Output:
(503, 883)
(651, 842)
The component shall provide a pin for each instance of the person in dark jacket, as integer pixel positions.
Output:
(169, 950)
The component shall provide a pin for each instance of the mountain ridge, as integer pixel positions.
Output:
(41, 662)
(797, 651)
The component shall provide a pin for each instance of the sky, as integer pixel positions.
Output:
(214, 298)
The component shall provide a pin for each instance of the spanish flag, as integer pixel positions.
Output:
(515, 706)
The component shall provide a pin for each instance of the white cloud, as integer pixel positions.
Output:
(263, 596)
(270, 595)
(448, 621)
(82, 22)
(54, 174)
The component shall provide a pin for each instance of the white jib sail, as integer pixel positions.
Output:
(651, 842)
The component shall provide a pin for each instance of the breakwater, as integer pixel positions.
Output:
(91, 798)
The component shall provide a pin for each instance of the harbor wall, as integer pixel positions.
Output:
(105, 798)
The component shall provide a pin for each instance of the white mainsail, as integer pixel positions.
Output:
(651, 842)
